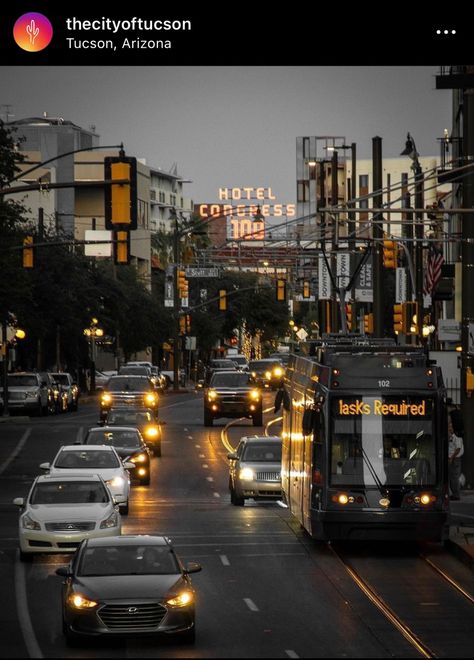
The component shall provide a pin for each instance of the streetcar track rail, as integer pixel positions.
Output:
(439, 571)
(423, 649)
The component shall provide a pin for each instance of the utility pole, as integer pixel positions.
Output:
(176, 302)
(335, 225)
(419, 202)
(467, 257)
(6, 355)
(377, 235)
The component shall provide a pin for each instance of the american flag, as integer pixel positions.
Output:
(433, 268)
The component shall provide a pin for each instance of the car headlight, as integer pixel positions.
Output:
(116, 482)
(111, 521)
(181, 600)
(254, 374)
(278, 371)
(151, 399)
(246, 474)
(106, 398)
(268, 375)
(80, 602)
(28, 523)
(151, 432)
(212, 395)
(139, 458)
(254, 395)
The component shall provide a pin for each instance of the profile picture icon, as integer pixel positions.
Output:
(33, 32)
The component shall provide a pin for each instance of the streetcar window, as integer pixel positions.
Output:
(394, 447)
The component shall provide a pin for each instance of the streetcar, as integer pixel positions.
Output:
(364, 441)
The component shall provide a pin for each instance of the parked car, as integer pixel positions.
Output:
(232, 394)
(267, 372)
(128, 586)
(132, 391)
(61, 511)
(255, 469)
(102, 378)
(27, 392)
(95, 459)
(129, 445)
(141, 418)
(69, 386)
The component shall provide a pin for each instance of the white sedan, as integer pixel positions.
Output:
(61, 511)
(95, 459)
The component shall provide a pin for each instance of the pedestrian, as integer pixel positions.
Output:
(455, 451)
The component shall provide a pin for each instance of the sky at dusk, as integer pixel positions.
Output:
(234, 126)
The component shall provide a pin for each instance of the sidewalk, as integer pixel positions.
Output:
(461, 528)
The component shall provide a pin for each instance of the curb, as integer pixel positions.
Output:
(463, 551)
(15, 420)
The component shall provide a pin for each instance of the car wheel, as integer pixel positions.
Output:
(236, 501)
(124, 508)
(258, 419)
(26, 556)
(207, 418)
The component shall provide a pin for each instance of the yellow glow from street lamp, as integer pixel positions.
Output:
(291, 322)
(99, 332)
(87, 332)
(20, 334)
(94, 321)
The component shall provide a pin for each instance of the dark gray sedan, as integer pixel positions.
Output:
(128, 586)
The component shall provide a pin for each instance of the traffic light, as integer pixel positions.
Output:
(183, 288)
(222, 300)
(28, 252)
(349, 317)
(398, 318)
(410, 312)
(306, 289)
(182, 324)
(390, 254)
(368, 324)
(121, 247)
(120, 198)
(281, 290)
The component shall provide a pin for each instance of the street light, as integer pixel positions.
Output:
(10, 333)
(411, 152)
(91, 333)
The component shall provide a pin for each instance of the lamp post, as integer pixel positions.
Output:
(91, 333)
(8, 323)
(410, 150)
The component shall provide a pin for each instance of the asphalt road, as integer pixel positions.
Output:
(266, 590)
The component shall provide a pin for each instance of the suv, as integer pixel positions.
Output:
(143, 419)
(27, 391)
(132, 391)
(232, 394)
(255, 469)
(69, 388)
(268, 372)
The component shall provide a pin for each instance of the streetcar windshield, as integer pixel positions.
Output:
(382, 440)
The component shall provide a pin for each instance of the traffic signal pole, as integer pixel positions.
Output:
(176, 305)
(377, 235)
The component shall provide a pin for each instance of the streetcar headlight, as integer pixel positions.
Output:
(181, 600)
(246, 474)
(80, 602)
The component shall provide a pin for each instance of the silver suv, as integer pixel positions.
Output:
(69, 387)
(28, 392)
(255, 469)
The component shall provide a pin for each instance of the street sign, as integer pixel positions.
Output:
(401, 285)
(201, 272)
(98, 249)
(324, 280)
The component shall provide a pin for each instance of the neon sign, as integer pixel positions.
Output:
(378, 407)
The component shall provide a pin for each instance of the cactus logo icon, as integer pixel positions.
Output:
(33, 32)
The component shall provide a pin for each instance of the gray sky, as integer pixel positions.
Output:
(236, 126)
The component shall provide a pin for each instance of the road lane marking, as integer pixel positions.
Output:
(24, 619)
(198, 446)
(210, 478)
(205, 465)
(291, 654)
(224, 560)
(79, 435)
(190, 437)
(16, 451)
(202, 455)
(216, 494)
(251, 605)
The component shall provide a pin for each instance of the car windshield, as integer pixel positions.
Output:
(137, 371)
(128, 384)
(127, 418)
(69, 492)
(128, 560)
(96, 459)
(262, 452)
(61, 378)
(222, 364)
(114, 438)
(17, 380)
(239, 360)
(229, 380)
